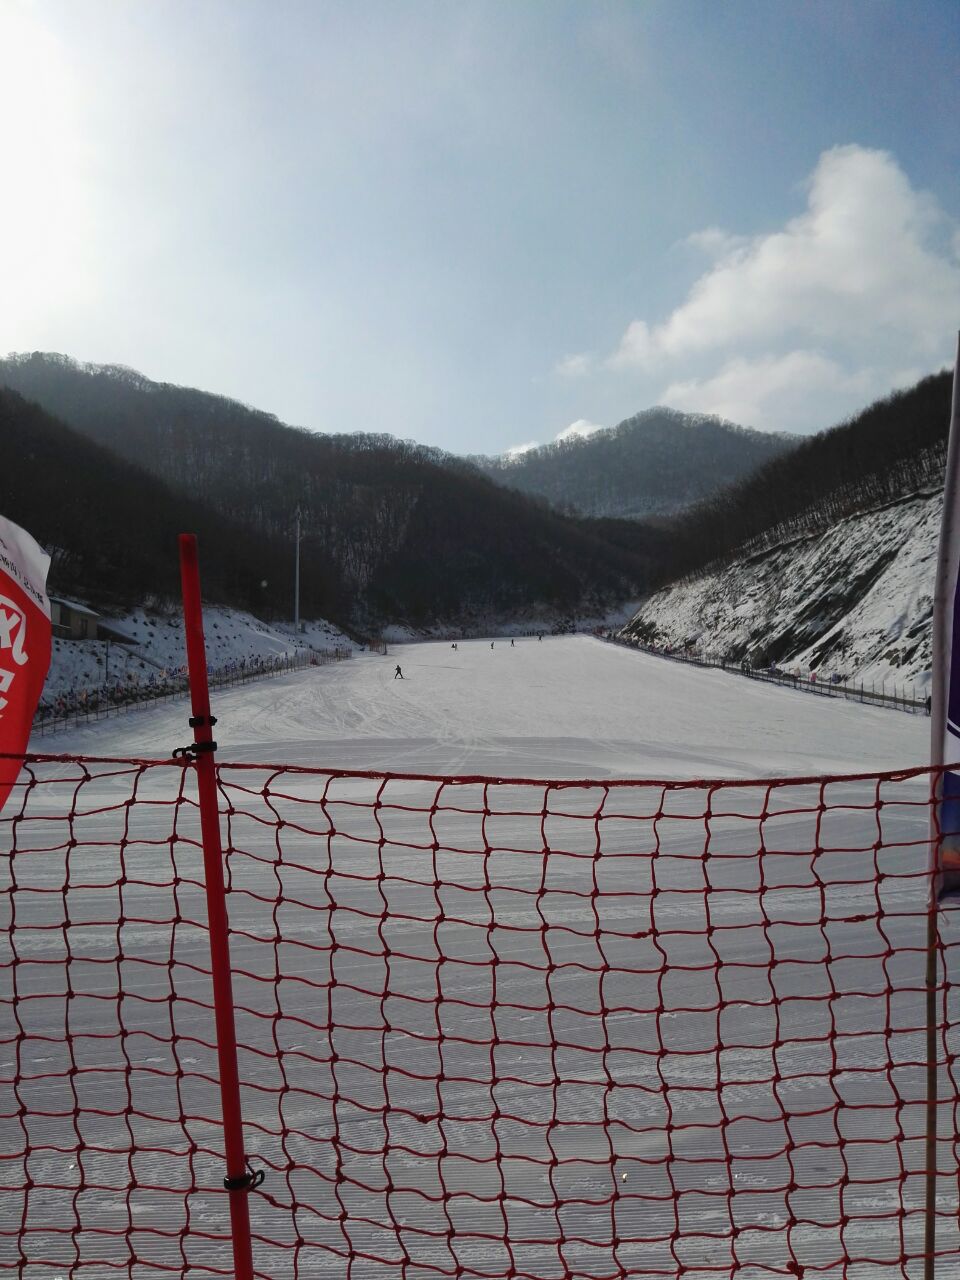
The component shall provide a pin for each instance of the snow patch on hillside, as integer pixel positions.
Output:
(156, 647)
(856, 600)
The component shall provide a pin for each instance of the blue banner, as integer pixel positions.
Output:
(945, 706)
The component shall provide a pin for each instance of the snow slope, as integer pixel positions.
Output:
(856, 599)
(564, 708)
(366, 931)
(157, 645)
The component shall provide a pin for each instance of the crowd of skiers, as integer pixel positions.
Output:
(82, 701)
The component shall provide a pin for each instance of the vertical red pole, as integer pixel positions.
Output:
(238, 1179)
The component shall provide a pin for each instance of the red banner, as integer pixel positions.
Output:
(24, 642)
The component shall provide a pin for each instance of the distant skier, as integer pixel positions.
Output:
(398, 674)
(491, 644)
(539, 639)
(511, 644)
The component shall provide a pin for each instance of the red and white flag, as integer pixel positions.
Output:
(24, 643)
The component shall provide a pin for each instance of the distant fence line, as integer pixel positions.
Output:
(822, 687)
(78, 707)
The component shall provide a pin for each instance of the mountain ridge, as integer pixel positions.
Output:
(394, 532)
(656, 462)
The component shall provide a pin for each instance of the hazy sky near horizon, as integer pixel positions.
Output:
(479, 223)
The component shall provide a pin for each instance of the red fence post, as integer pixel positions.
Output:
(239, 1179)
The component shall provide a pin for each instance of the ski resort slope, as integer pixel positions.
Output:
(855, 599)
(566, 707)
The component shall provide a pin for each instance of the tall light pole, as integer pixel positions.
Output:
(296, 581)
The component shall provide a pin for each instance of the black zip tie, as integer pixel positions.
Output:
(192, 750)
(246, 1182)
(196, 721)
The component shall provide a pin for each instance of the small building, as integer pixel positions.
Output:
(72, 621)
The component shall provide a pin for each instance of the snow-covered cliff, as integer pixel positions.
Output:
(856, 599)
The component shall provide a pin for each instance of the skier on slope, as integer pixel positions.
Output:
(511, 644)
(398, 674)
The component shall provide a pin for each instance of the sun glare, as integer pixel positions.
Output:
(42, 216)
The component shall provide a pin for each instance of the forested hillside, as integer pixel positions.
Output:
(111, 528)
(823, 561)
(392, 531)
(657, 462)
(892, 448)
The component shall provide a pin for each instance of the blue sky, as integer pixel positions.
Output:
(476, 224)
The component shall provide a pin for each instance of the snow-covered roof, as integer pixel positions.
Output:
(75, 606)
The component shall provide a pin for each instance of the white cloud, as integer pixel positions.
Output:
(715, 242)
(581, 428)
(777, 392)
(864, 269)
(575, 366)
(636, 347)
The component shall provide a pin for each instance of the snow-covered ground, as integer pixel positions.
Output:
(564, 707)
(545, 622)
(856, 600)
(456, 1047)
